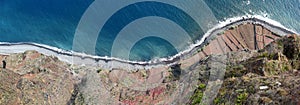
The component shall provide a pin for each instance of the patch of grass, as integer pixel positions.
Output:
(201, 86)
(267, 55)
(275, 67)
(217, 100)
(241, 98)
(285, 67)
(235, 71)
(280, 44)
(198, 95)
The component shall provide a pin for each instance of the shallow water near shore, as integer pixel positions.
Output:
(54, 23)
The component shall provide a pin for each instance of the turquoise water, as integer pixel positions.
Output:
(53, 22)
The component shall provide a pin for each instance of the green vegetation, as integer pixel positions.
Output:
(241, 98)
(268, 56)
(274, 67)
(280, 44)
(235, 71)
(197, 97)
(270, 67)
(217, 100)
(201, 86)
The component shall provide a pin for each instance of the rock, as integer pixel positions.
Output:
(263, 87)
(266, 100)
(291, 47)
(278, 83)
(32, 78)
(282, 92)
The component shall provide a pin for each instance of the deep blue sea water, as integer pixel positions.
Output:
(53, 22)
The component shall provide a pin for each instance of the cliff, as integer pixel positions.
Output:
(32, 78)
(246, 64)
(266, 76)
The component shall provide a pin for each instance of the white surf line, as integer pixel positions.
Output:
(112, 63)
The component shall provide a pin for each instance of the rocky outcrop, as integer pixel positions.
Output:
(267, 76)
(32, 78)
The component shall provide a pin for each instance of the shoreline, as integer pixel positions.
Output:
(111, 62)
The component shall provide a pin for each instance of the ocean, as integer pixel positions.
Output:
(55, 22)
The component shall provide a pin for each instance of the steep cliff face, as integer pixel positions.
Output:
(267, 76)
(176, 83)
(254, 70)
(32, 78)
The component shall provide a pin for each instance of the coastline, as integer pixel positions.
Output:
(111, 62)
